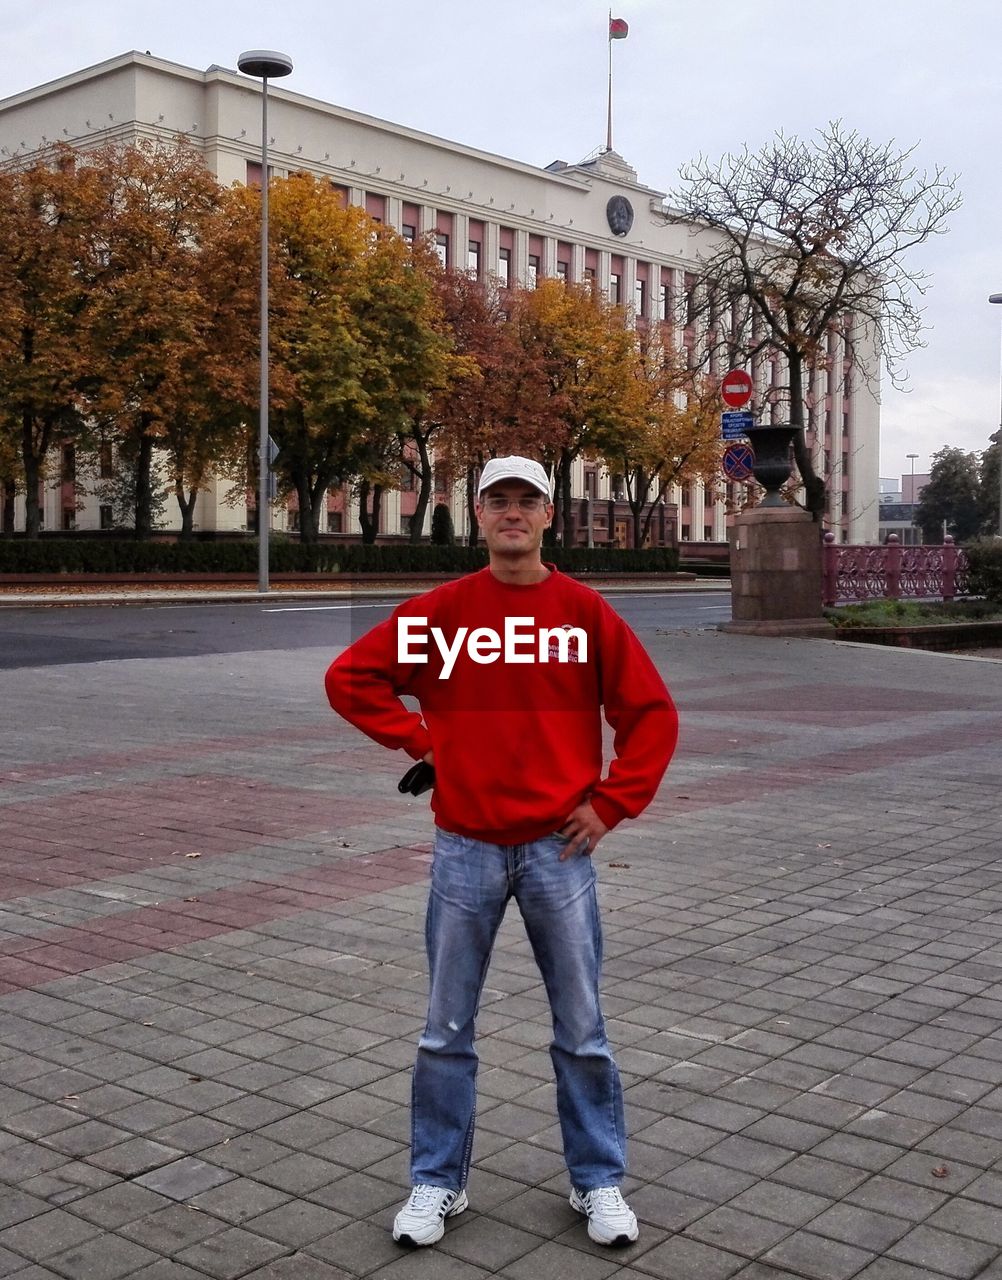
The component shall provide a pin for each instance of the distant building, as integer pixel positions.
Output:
(490, 216)
(899, 508)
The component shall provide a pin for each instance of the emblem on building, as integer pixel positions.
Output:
(619, 213)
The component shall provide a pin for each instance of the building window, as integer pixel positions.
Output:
(406, 524)
(292, 520)
(563, 271)
(640, 297)
(334, 521)
(707, 532)
(442, 248)
(107, 463)
(473, 259)
(106, 517)
(589, 275)
(504, 267)
(69, 518)
(409, 232)
(685, 533)
(533, 272)
(615, 288)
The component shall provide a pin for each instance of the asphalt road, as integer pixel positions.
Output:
(38, 637)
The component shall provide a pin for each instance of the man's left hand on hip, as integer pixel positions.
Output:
(583, 830)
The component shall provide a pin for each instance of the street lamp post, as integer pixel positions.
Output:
(267, 65)
(996, 438)
(911, 496)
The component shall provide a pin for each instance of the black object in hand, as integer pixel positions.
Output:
(418, 779)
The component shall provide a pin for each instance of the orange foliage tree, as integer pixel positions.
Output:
(677, 437)
(358, 345)
(154, 311)
(588, 356)
(48, 212)
(499, 402)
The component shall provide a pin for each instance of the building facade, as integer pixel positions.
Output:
(491, 216)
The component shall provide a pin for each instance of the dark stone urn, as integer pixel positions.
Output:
(773, 463)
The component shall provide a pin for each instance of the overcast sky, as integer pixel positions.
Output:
(528, 80)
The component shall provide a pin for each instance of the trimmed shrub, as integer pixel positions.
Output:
(985, 558)
(119, 556)
(442, 532)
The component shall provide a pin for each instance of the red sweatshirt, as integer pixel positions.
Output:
(517, 743)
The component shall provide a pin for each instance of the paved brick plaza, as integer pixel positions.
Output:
(212, 978)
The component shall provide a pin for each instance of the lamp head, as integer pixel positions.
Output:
(264, 63)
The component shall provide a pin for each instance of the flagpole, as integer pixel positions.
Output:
(608, 140)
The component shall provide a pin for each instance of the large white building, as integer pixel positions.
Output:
(489, 214)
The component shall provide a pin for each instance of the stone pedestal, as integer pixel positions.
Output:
(776, 574)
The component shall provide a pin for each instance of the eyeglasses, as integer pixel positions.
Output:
(497, 505)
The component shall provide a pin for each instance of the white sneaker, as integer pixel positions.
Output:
(422, 1219)
(610, 1218)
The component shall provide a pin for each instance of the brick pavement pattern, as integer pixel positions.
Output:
(212, 980)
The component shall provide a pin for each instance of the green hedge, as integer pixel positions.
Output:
(985, 557)
(97, 556)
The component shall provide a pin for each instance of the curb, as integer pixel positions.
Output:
(68, 598)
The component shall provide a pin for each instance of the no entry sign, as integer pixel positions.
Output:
(736, 388)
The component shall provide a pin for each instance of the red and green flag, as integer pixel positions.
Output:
(619, 29)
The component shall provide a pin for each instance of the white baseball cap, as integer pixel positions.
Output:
(515, 468)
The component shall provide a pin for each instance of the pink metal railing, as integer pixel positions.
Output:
(892, 572)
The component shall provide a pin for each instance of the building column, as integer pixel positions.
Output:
(520, 267)
(698, 516)
(492, 247)
(577, 263)
(653, 291)
(460, 247)
(628, 284)
(549, 256)
(604, 271)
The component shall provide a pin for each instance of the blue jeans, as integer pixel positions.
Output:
(471, 883)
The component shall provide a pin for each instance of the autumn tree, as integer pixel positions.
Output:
(204, 431)
(677, 438)
(358, 345)
(587, 356)
(153, 313)
(499, 402)
(804, 239)
(48, 359)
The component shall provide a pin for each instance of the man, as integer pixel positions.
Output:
(512, 667)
